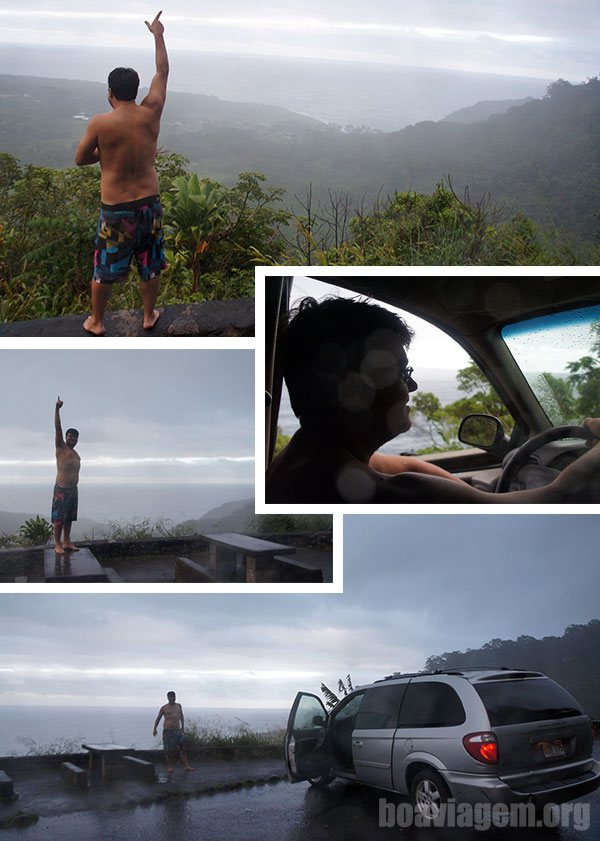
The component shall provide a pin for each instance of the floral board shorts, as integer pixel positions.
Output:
(173, 740)
(64, 504)
(128, 230)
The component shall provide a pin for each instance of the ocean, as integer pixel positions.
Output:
(440, 381)
(105, 503)
(378, 96)
(21, 727)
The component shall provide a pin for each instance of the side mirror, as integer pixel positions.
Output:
(484, 431)
(318, 721)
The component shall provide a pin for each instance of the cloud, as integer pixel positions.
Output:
(415, 585)
(434, 33)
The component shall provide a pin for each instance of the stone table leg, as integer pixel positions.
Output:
(212, 557)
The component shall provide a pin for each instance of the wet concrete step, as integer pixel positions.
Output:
(72, 567)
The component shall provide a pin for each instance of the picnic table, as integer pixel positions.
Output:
(100, 757)
(249, 551)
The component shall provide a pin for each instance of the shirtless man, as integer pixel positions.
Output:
(64, 498)
(347, 373)
(123, 142)
(173, 732)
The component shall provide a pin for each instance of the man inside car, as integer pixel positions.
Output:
(346, 369)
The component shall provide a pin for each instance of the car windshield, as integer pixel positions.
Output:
(559, 356)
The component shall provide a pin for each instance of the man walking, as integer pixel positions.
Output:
(173, 732)
(64, 498)
(124, 143)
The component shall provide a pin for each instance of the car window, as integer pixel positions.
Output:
(349, 708)
(309, 713)
(450, 385)
(559, 356)
(379, 710)
(431, 704)
(520, 701)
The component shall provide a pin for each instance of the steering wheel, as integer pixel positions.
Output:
(519, 457)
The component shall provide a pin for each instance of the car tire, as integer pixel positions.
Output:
(321, 781)
(428, 791)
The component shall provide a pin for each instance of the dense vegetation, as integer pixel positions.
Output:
(381, 199)
(48, 221)
(571, 660)
(215, 235)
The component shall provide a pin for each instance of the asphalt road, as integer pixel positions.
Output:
(274, 812)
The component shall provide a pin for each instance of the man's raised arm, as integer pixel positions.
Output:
(59, 440)
(158, 89)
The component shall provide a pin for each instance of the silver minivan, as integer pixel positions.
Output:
(477, 735)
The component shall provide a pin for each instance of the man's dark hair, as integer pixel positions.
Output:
(74, 431)
(171, 693)
(124, 83)
(324, 340)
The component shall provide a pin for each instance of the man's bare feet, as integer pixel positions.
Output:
(150, 322)
(70, 547)
(58, 549)
(93, 327)
(188, 768)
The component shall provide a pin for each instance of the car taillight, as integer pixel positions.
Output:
(482, 746)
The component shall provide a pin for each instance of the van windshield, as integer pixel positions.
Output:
(520, 701)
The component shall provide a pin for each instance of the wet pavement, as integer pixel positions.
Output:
(274, 812)
(42, 792)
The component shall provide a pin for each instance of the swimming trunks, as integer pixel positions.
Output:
(128, 230)
(64, 505)
(172, 740)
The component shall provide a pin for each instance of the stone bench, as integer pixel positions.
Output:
(72, 567)
(6, 785)
(186, 570)
(112, 575)
(141, 768)
(74, 775)
(291, 570)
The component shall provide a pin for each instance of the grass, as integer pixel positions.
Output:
(144, 529)
(216, 734)
(282, 523)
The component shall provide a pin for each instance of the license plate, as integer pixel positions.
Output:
(552, 749)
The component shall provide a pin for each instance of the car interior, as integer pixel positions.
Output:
(497, 321)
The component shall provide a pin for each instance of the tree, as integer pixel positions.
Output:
(443, 421)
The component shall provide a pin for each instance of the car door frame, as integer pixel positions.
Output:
(314, 758)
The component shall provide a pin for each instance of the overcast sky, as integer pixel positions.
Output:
(172, 416)
(543, 38)
(414, 586)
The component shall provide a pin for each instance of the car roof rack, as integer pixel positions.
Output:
(455, 670)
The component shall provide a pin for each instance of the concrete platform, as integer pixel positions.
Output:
(41, 789)
(72, 567)
(206, 318)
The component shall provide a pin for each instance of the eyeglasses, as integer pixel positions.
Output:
(406, 375)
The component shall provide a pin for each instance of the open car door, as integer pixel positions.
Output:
(306, 748)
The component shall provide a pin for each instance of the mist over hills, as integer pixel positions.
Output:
(231, 516)
(540, 158)
(380, 96)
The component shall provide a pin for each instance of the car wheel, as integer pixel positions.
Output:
(319, 782)
(427, 794)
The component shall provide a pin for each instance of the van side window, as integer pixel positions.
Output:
(379, 710)
(431, 704)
